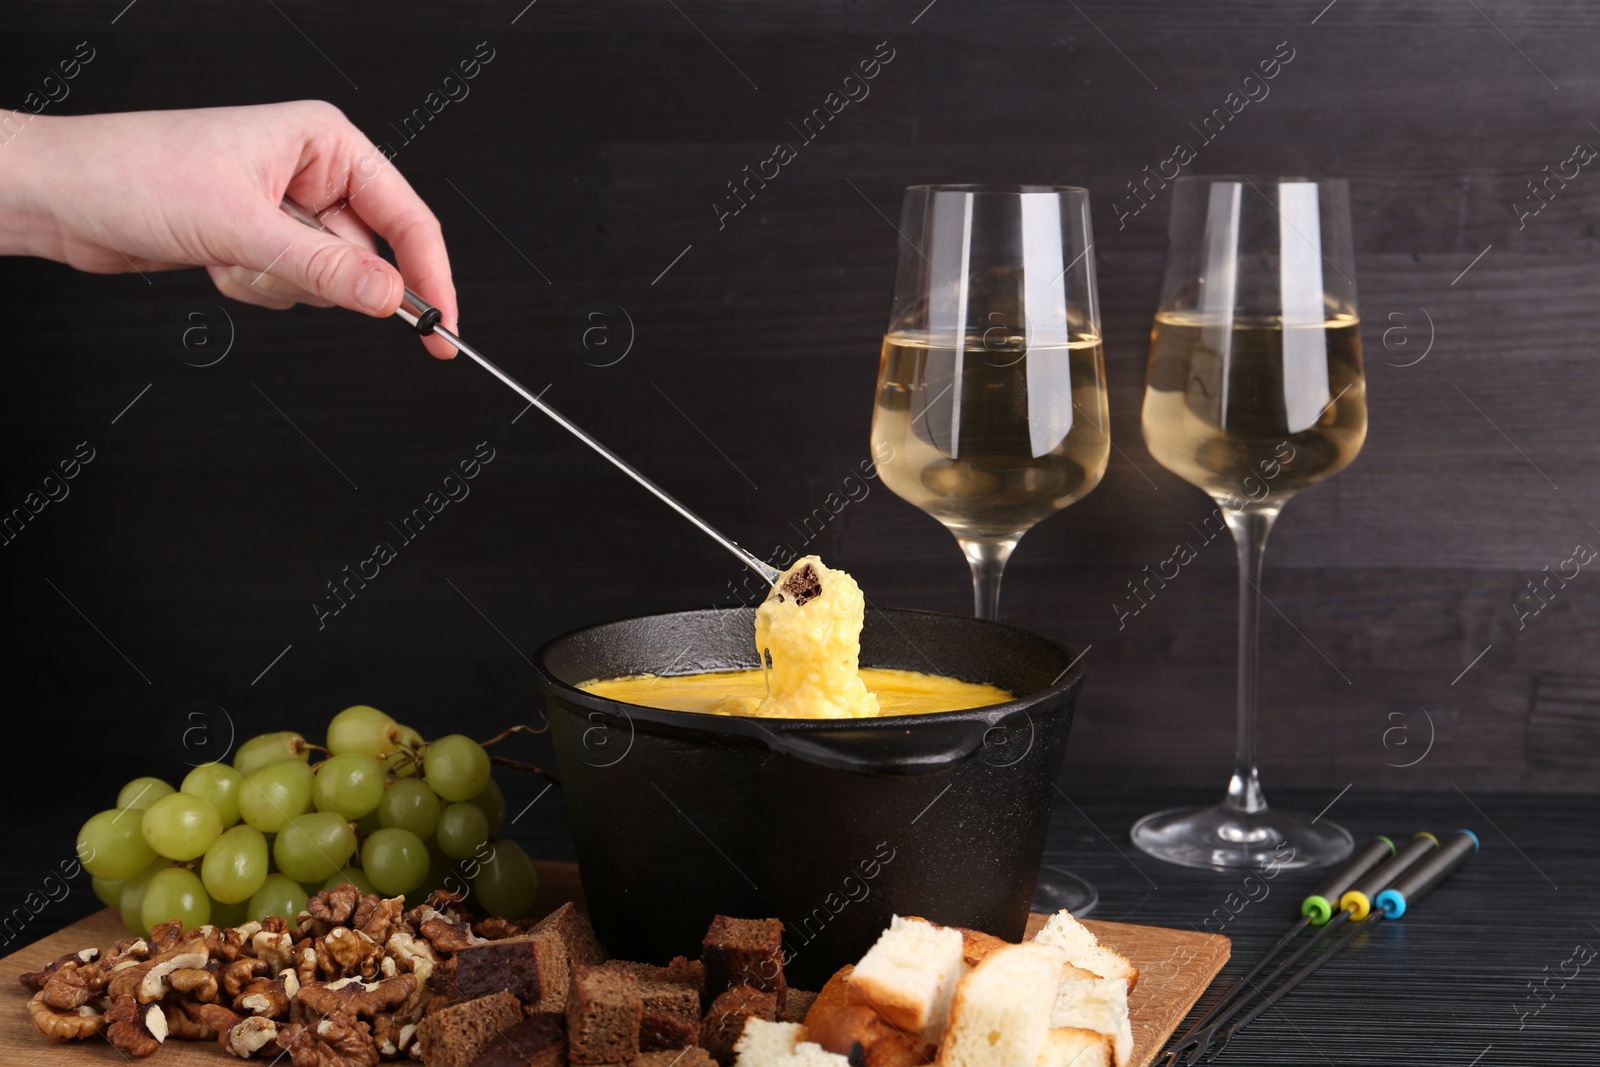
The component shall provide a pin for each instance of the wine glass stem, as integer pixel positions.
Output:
(987, 557)
(1250, 530)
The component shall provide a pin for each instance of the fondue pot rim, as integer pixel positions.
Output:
(1070, 679)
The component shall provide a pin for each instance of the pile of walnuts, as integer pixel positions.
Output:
(345, 987)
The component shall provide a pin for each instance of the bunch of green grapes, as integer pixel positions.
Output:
(385, 810)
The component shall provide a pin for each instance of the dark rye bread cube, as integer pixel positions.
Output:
(729, 1012)
(564, 941)
(603, 1015)
(535, 967)
(521, 966)
(540, 1040)
(454, 1036)
(680, 971)
(744, 952)
(661, 1030)
(571, 927)
(689, 1057)
(795, 1008)
(670, 998)
(691, 973)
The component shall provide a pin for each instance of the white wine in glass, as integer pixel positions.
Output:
(1254, 391)
(991, 407)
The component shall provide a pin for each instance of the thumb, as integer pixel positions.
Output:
(329, 267)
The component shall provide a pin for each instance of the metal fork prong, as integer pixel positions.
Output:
(1188, 1051)
(1215, 1050)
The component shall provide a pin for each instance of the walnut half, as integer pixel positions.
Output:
(35, 980)
(134, 1028)
(64, 1025)
(336, 1041)
(352, 996)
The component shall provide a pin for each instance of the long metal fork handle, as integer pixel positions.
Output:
(423, 317)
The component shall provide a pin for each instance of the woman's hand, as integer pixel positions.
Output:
(160, 190)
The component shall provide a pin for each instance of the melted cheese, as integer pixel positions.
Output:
(808, 632)
(808, 635)
(741, 692)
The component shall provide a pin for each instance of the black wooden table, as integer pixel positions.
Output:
(1498, 967)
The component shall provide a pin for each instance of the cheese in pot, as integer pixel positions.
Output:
(808, 634)
(741, 692)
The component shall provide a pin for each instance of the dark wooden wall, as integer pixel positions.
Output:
(589, 156)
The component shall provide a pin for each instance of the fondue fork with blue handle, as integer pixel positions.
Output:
(423, 317)
(1391, 903)
(1314, 911)
(1355, 902)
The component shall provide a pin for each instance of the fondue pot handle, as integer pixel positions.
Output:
(906, 752)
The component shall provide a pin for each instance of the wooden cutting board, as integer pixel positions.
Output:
(1175, 966)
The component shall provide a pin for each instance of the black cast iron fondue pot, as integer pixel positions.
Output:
(830, 825)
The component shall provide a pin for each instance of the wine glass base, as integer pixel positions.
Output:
(1057, 889)
(1218, 839)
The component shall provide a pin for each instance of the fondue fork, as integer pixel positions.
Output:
(424, 318)
(1314, 911)
(1354, 899)
(1391, 903)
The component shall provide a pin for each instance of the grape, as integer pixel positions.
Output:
(506, 883)
(410, 804)
(396, 860)
(350, 784)
(175, 893)
(492, 803)
(109, 891)
(313, 846)
(463, 828)
(367, 823)
(218, 785)
(402, 762)
(236, 865)
(181, 827)
(142, 792)
(111, 845)
(131, 903)
(226, 915)
(457, 767)
(271, 796)
(354, 875)
(362, 730)
(278, 895)
(265, 749)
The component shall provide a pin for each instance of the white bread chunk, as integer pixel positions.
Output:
(910, 975)
(1071, 1047)
(807, 1054)
(762, 1043)
(1000, 1015)
(1084, 951)
(1100, 1005)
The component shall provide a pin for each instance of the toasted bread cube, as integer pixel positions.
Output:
(1098, 1004)
(1000, 1015)
(1083, 949)
(841, 1022)
(1071, 1047)
(763, 1044)
(910, 975)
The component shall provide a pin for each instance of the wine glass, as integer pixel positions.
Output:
(991, 409)
(1253, 392)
